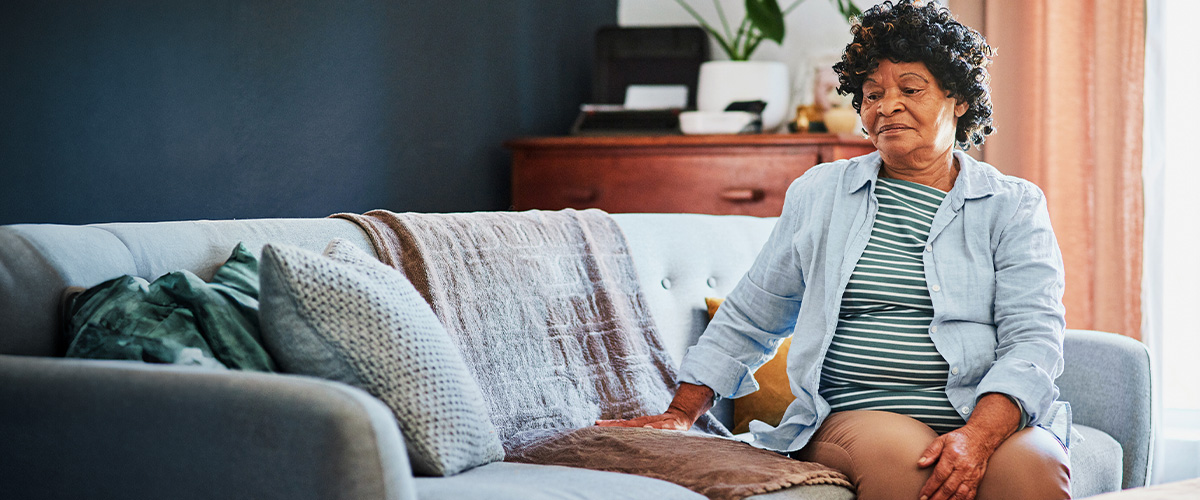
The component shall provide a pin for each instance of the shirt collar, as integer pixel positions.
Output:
(864, 172)
(973, 181)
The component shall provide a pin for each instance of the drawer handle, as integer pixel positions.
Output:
(742, 195)
(580, 195)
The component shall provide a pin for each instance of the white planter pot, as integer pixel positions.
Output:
(724, 82)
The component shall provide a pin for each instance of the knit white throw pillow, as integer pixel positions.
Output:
(347, 317)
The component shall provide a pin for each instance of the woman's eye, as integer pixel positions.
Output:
(912, 91)
(872, 97)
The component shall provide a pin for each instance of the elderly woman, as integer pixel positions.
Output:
(923, 291)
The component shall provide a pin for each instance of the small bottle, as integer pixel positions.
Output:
(799, 124)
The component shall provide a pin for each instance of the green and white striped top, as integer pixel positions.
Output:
(882, 357)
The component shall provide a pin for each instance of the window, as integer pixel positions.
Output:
(1181, 238)
(1172, 173)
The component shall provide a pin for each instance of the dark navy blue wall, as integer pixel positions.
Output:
(127, 110)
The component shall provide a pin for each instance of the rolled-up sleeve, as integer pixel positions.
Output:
(1029, 312)
(756, 316)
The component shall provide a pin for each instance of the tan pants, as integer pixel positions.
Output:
(879, 451)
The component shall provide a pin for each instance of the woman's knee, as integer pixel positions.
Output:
(1030, 464)
(879, 451)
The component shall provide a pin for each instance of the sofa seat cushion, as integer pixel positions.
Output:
(717, 468)
(814, 492)
(516, 481)
(347, 317)
(1095, 463)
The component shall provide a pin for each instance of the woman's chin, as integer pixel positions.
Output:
(897, 148)
(894, 147)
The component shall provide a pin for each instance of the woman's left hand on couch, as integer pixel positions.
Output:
(690, 402)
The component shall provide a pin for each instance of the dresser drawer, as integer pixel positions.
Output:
(740, 175)
(712, 184)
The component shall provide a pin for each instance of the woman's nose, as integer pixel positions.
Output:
(890, 104)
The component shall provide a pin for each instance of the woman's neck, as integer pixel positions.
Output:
(939, 173)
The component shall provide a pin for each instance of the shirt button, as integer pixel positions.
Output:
(933, 329)
(666, 283)
(954, 371)
(965, 410)
(928, 248)
(712, 282)
(937, 288)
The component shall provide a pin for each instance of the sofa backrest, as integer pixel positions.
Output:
(38, 261)
(683, 258)
(680, 259)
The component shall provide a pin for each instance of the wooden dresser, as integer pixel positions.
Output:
(712, 174)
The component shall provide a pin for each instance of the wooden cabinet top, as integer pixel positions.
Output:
(687, 141)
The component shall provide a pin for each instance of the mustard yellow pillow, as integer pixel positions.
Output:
(774, 394)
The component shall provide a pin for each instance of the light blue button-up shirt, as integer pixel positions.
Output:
(994, 273)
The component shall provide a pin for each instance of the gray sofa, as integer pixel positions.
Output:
(109, 429)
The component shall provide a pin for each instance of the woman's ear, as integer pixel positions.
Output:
(960, 108)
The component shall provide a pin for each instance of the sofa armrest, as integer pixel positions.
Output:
(115, 429)
(1107, 379)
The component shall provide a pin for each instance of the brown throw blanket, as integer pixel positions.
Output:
(546, 309)
(717, 468)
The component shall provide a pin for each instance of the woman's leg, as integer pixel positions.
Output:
(1030, 464)
(879, 451)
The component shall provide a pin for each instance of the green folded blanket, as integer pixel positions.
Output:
(176, 319)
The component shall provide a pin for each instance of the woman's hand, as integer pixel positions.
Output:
(689, 403)
(669, 421)
(961, 456)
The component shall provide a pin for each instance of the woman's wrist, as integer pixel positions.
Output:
(995, 418)
(691, 401)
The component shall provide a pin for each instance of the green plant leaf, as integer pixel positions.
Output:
(738, 45)
(767, 18)
(764, 20)
(752, 45)
(725, 45)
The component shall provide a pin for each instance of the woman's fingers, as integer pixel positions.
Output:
(931, 453)
(938, 482)
(961, 463)
(633, 422)
(949, 488)
(967, 491)
(664, 421)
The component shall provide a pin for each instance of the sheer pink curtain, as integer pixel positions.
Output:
(1067, 90)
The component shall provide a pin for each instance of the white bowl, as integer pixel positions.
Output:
(714, 122)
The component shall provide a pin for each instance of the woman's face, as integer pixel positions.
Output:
(907, 114)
